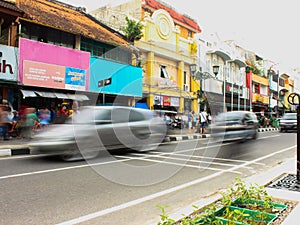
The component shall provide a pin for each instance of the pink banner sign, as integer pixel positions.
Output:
(45, 65)
(43, 75)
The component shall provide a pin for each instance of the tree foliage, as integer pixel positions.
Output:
(256, 67)
(133, 30)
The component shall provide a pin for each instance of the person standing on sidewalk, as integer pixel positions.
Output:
(203, 121)
(5, 123)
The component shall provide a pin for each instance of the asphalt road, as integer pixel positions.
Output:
(127, 188)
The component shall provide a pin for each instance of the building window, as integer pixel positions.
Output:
(48, 35)
(184, 78)
(190, 34)
(275, 78)
(101, 50)
(264, 90)
(163, 72)
(185, 82)
(281, 82)
(256, 88)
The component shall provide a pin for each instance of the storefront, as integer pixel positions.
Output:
(50, 75)
(234, 97)
(162, 102)
(9, 74)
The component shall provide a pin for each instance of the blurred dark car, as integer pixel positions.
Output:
(288, 122)
(99, 128)
(234, 125)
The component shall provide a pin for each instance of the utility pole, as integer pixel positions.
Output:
(277, 109)
(294, 99)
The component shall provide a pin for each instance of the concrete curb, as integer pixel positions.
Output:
(16, 151)
(184, 137)
(267, 129)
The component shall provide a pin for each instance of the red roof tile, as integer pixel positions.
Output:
(10, 6)
(67, 19)
(154, 5)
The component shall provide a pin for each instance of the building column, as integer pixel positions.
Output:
(77, 42)
(150, 78)
(177, 31)
(180, 84)
(13, 34)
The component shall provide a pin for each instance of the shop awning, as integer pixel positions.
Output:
(78, 97)
(46, 94)
(61, 95)
(141, 105)
(27, 93)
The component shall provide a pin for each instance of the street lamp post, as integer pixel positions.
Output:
(270, 76)
(294, 99)
(199, 75)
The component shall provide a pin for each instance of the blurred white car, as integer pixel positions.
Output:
(234, 125)
(288, 122)
(101, 128)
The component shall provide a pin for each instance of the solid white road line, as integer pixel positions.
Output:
(60, 169)
(165, 192)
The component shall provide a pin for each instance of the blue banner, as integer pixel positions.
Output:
(123, 79)
(75, 79)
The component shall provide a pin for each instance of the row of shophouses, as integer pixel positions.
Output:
(52, 52)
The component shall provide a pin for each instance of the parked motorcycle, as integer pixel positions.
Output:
(177, 123)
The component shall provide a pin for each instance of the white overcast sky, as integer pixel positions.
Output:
(267, 27)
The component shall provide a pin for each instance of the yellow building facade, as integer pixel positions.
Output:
(167, 49)
(166, 59)
(286, 87)
(262, 98)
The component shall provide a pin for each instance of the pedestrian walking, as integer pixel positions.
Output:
(31, 122)
(195, 120)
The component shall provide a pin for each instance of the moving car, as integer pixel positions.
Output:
(99, 128)
(288, 122)
(234, 125)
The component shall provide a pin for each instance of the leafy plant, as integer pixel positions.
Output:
(209, 217)
(133, 30)
(235, 214)
(164, 218)
(243, 204)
